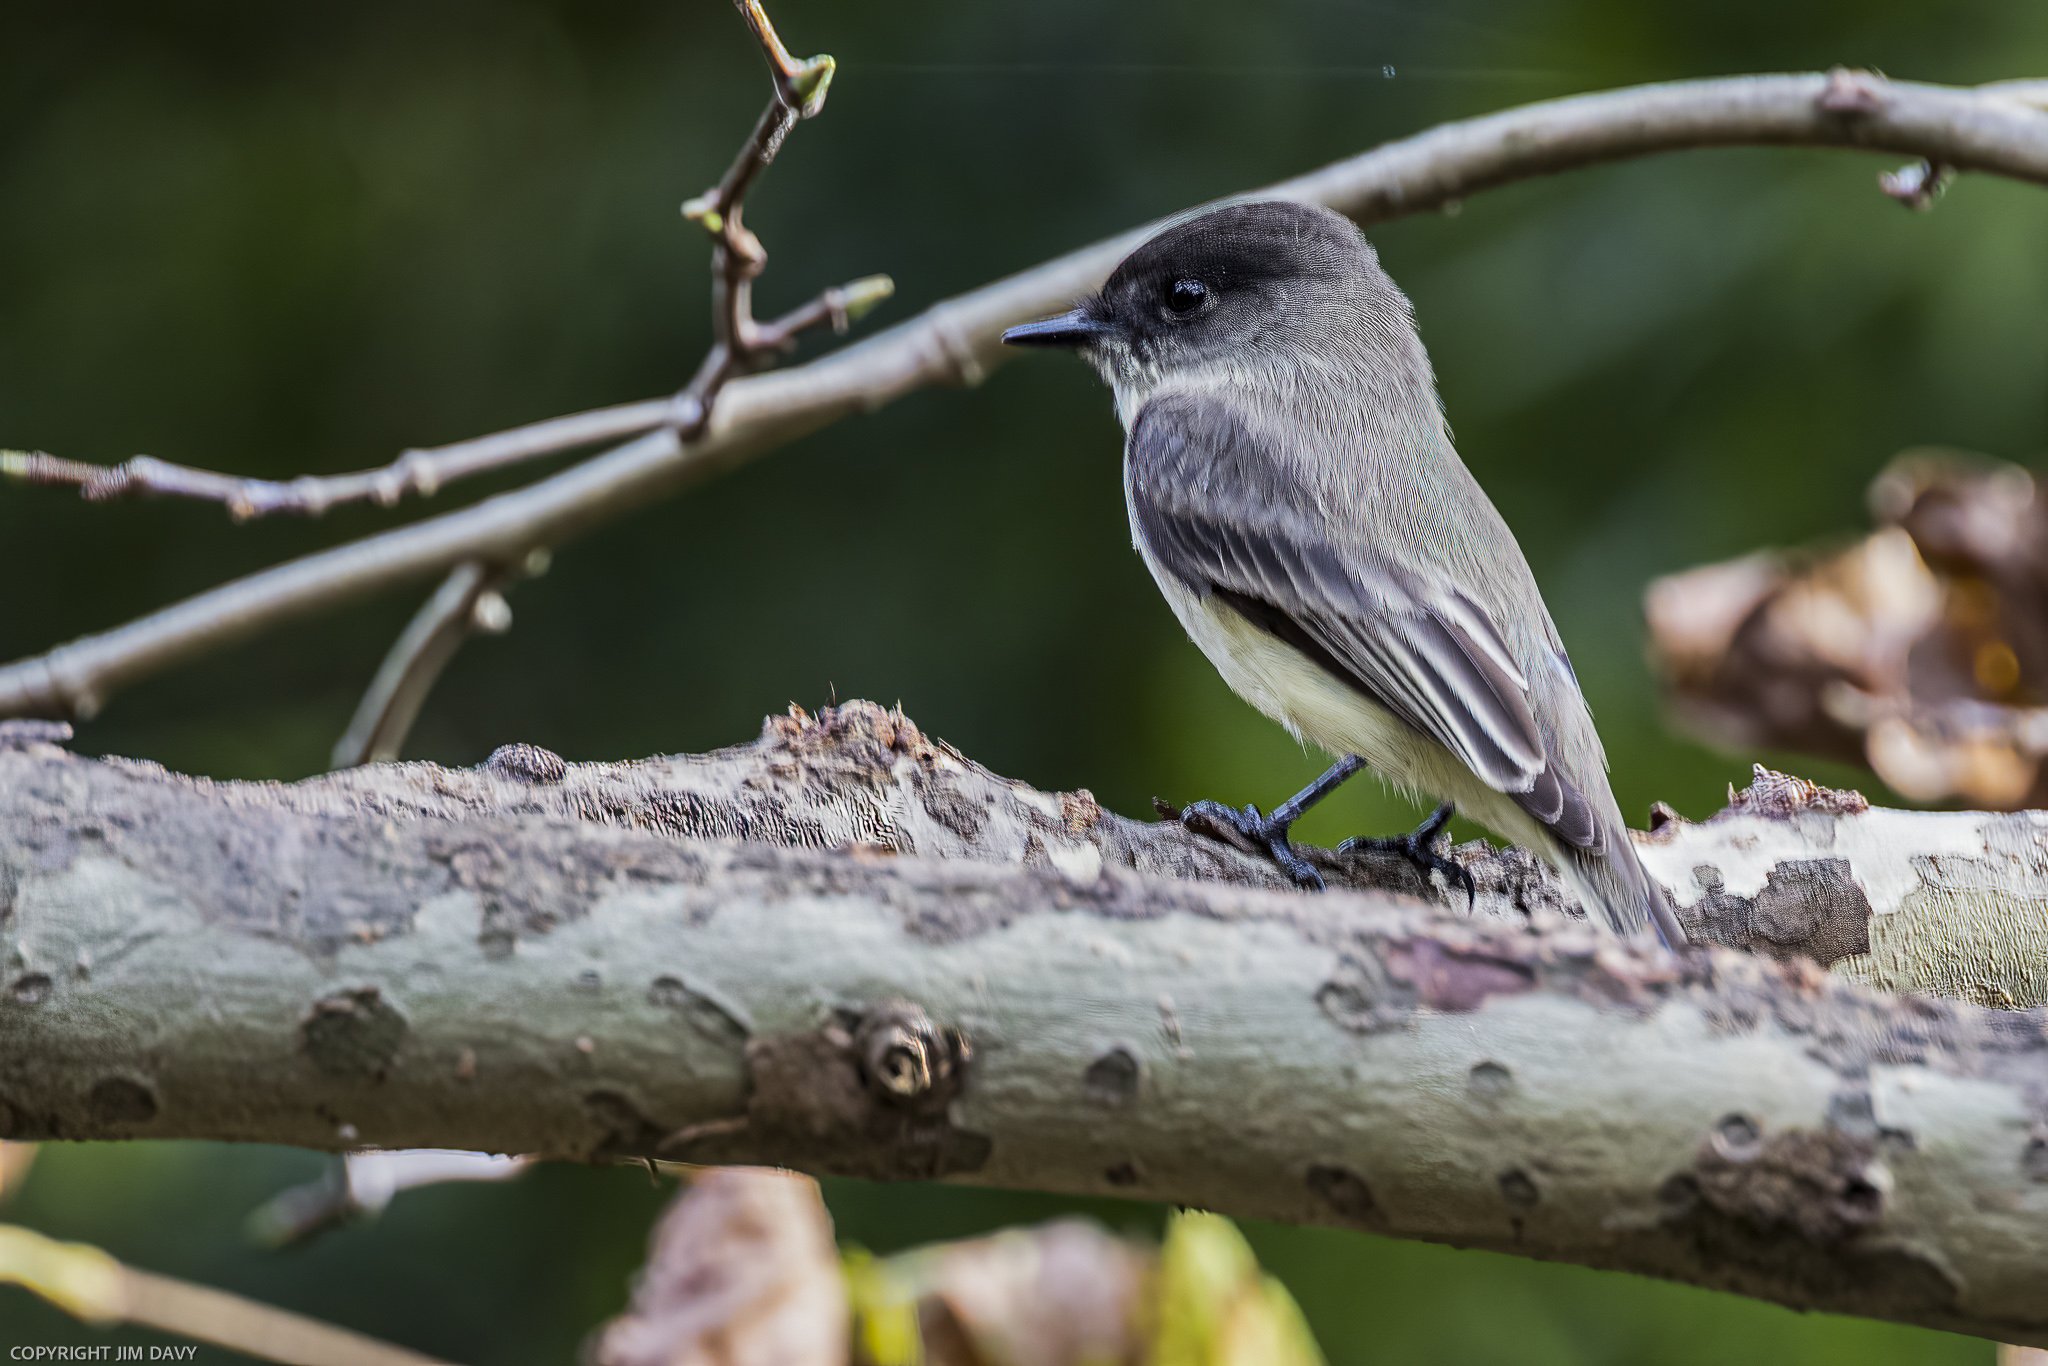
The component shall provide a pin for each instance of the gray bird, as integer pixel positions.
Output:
(1294, 490)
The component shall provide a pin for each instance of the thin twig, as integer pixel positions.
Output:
(423, 471)
(838, 307)
(91, 1285)
(957, 341)
(737, 256)
(1920, 184)
(2031, 90)
(471, 599)
(739, 344)
(360, 1185)
(801, 85)
(1917, 185)
(420, 472)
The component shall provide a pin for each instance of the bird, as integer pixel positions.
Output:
(1294, 490)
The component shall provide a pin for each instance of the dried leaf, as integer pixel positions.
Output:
(1064, 1294)
(742, 1272)
(1921, 651)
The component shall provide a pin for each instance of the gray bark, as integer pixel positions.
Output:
(847, 949)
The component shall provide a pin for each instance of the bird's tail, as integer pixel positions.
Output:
(1614, 887)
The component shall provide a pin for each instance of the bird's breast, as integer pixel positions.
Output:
(1285, 684)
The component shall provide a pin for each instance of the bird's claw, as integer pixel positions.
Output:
(1418, 847)
(1261, 831)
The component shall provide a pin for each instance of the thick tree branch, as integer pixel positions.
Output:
(578, 960)
(1995, 131)
(1953, 904)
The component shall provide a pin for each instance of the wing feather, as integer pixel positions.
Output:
(1221, 514)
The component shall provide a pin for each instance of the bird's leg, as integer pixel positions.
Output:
(1270, 832)
(1418, 846)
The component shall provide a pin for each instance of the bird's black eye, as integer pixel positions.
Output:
(1184, 296)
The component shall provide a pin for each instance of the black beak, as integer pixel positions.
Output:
(1073, 328)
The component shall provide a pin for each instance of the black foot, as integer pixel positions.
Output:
(1418, 846)
(1269, 833)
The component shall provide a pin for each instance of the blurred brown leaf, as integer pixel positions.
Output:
(1064, 1294)
(1920, 651)
(15, 1160)
(742, 1271)
(1072, 1294)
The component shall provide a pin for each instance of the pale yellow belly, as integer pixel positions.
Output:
(1334, 716)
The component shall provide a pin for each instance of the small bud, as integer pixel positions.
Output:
(417, 469)
(703, 210)
(864, 294)
(810, 81)
(492, 614)
(1916, 186)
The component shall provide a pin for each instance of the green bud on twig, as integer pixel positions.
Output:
(703, 210)
(862, 295)
(809, 82)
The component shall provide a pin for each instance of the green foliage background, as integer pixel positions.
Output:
(288, 238)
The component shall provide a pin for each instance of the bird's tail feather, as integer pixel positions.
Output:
(1614, 887)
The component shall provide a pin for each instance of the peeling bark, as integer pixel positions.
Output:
(846, 948)
(1951, 904)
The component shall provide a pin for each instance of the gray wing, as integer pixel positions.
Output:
(1221, 514)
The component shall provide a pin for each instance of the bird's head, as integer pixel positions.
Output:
(1227, 291)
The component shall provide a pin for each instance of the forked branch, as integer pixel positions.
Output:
(470, 600)
(741, 343)
(1995, 130)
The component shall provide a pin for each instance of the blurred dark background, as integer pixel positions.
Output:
(283, 239)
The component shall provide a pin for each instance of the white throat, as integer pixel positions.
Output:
(1131, 381)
